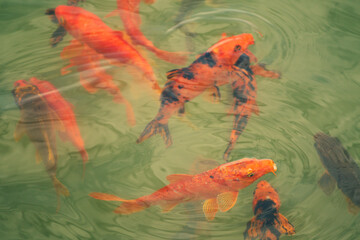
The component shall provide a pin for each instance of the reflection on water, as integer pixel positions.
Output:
(313, 44)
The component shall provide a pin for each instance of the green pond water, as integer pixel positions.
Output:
(314, 44)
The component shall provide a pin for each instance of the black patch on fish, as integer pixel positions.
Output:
(184, 72)
(206, 59)
(240, 123)
(180, 86)
(168, 96)
(57, 36)
(187, 73)
(243, 62)
(211, 176)
(51, 13)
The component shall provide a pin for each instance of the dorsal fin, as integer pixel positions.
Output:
(183, 72)
(173, 73)
(173, 178)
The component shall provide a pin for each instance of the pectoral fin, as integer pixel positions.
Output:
(19, 131)
(210, 208)
(352, 208)
(327, 183)
(226, 200)
(168, 206)
(38, 157)
(178, 177)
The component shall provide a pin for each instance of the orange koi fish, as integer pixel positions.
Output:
(89, 29)
(65, 113)
(218, 186)
(268, 223)
(39, 122)
(226, 62)
(129, 14)
(92, 74)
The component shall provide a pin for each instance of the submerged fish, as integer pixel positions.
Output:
(92, 75)
(89, 29)
(226, 62)
(64, 111)
(39, 122)
(218, 187)
(340, 169)
(129, 14)
(268, 223)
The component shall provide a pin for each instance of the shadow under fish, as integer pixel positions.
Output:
(38, 121)
(340, 169)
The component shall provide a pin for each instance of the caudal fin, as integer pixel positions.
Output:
(60, 190)
(153, 128)
(268, 228)
(127, 207)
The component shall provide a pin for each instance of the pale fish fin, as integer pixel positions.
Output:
(327, 183)
(38, 157)
(226, 200)
(173, 178)
(352, 208)
(19, 131)
(168, 206)
(210, 208)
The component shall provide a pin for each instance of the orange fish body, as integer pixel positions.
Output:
(129, 14)
(38, 122)
(89, 29)
(218, 186)
(65, 112)
(268, 223)
(226, 62)
(92, 75)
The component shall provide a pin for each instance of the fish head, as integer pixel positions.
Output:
(65, 14)
(265, 197)
(23, 92)
(241, 173)
(230, 49)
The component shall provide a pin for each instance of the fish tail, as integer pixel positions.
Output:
(60, 188)
(153, 128)
(127, 207)
(130, 206)
(178, 58)
(262, 228)
(253, 229)
(284, 226)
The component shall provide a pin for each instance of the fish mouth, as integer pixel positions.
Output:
(274, 169)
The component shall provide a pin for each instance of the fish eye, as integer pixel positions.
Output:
(62, 21)
(250, 173)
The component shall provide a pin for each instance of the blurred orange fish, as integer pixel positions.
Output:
(92, 75)
(39, 122)
(218, 186)
(64, 111)
(89, 29)
(129, 14)
(268, 223)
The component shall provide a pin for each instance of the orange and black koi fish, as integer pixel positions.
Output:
(129, 14)
(340, 169)
(89, 29)
(64, 111)
(92, 75)
(39, 122)
(226, 62)
(218, 186)
(268, 223)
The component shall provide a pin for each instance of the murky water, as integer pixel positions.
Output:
(314, 44)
